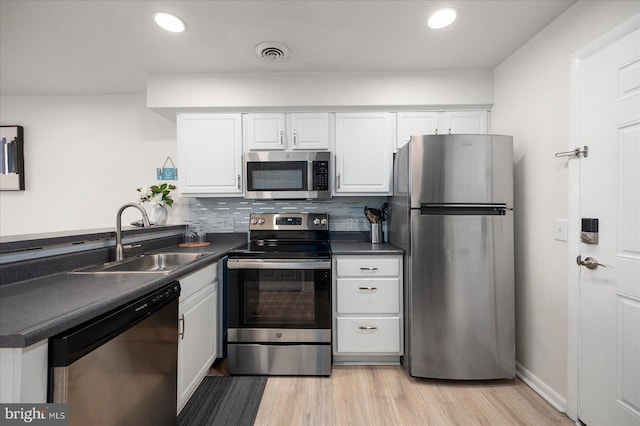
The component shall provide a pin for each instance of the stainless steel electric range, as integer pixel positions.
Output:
(279, 297)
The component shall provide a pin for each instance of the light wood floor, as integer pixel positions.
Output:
(387, 395)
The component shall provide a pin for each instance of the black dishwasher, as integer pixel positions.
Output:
(120, 368)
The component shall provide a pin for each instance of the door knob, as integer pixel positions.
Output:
(589, 262)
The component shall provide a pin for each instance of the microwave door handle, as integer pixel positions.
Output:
(310, 176)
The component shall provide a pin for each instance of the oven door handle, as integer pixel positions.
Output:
(278, 264)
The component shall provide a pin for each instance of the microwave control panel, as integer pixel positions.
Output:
(320, 176)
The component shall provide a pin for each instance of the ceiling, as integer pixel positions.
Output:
(108, 47)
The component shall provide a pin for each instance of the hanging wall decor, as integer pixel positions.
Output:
(11, 158)
(167, 173)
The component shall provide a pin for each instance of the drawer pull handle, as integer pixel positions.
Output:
(369, 268)
(184, 326)
(368, 327)
(368, 288)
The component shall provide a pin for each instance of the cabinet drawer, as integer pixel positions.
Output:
(369, 266)
(193, 282)
(368, 296)
(368, 335)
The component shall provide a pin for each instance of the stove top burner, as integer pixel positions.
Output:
(284, 235)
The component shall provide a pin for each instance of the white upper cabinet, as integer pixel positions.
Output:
(416, 123)
(440, 122)
(279, 131)
(464, 122)
(363, 153)
(210, 154)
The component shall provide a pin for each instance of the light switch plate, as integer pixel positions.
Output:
(560, 230)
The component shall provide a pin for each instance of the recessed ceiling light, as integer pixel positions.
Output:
(169, 22)
(442, 18)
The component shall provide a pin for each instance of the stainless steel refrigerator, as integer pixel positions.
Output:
(452, 214)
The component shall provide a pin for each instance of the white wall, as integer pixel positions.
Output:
(532, 104)
(84, 157)
(331, 90)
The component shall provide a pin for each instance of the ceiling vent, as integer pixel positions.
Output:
(272, 51)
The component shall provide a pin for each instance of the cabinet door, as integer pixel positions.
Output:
(308, 130)
(198, 340)
(264, 131)
(415, 123)
(364, 150)
(210, 154)
(464, 122)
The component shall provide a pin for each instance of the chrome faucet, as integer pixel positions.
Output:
(145, 220)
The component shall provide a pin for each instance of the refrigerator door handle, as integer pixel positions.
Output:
(463, 209)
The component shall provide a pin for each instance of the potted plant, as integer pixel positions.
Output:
(159, 197)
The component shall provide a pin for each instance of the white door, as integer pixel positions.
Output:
(609, 313)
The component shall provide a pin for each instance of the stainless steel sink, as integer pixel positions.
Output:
(146, 263)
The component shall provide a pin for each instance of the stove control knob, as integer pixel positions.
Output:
(261, 221)
(254, 221)
(316, 221)
(323, 221)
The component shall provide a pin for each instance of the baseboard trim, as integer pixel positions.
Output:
(541, 388)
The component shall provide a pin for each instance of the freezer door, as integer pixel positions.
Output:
(460, 296)
(461, 169)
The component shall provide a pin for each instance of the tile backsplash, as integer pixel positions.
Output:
(232, 214)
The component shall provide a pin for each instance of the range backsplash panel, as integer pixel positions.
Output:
(232, 214)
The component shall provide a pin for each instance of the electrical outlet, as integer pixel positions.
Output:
(226, 224)
(560, 230)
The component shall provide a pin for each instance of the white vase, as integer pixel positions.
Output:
(158, 215)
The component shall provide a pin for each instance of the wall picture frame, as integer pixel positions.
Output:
(11, 158)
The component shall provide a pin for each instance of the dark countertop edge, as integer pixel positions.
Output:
(13, 243)
(363, 247)
(45, 330)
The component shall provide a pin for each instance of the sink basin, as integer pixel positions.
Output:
(146, 263)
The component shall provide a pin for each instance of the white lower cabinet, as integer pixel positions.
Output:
(371, 334)
(367, 309)
(24, 374)
(197, 327)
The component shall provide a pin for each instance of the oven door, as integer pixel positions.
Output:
(279, 294)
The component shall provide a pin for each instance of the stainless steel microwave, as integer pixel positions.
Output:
(287, 175)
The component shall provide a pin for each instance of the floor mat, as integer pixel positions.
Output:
(224, 401)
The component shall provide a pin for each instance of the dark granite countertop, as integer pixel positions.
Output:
(37, 309)
(363, 247)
